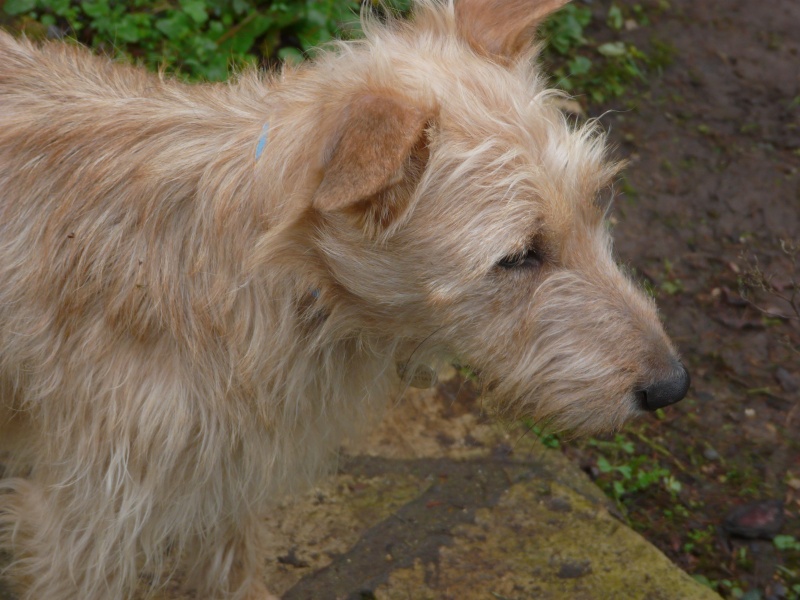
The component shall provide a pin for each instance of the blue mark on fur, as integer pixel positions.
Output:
(262, 140)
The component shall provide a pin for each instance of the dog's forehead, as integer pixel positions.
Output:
(499, 137)
(512, 113)
(492, 107)
(514, 139)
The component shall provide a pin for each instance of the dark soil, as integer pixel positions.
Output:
(712, 189)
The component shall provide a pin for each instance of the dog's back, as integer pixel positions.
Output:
(107, 175)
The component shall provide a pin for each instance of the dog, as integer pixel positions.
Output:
(205, 288)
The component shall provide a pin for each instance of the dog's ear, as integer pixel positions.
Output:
(378, 135)
(502, 29)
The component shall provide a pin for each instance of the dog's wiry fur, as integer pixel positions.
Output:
(188, 331)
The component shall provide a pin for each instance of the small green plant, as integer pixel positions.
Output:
(564, 30)
(638, 474)
(786, 543)
(670, 285)
(205, 39)
(630, 474)
(601, 71)
(701, 536)
(200, 39)
(551, 440)
(702, 579)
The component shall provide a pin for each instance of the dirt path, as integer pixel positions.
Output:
(714, 182)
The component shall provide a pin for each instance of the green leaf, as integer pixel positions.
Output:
(580, 65)
(399, 5)
(317, 17)
(625, 471)
(243, 39)
(615, 20)
(672, 287)
(786, 542)
(583, 15)
(565, 28)
(240, 6)
(702, 579)
(216, 69)
(612, 49)
(624, 444)
(17, 7)
(291, 55)
(174, 26)
(131, 28)
(314, 38)
(604, 465)
(196, 9)
(215, 29)
(63, 8)
(96, 9)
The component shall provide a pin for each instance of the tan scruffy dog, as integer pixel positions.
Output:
(204, 289)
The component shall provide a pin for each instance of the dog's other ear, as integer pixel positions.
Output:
(502, 29)
(378, 135)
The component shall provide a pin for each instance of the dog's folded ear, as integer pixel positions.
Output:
(376, 140)
(502, 29)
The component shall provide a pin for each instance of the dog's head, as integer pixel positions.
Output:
(456, 208)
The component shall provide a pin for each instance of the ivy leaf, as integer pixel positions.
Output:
(17, 7)
(174, 26)
(97, 9)
(131, 28)
(580, 65)
(240, 6)
(196, 9)
(603, 465)
(245, 36)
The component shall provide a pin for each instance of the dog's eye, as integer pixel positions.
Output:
(527, 258)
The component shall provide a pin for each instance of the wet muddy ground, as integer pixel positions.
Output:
(712, 194)
(710, 197)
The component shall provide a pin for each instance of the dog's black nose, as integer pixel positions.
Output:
(667, 391)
